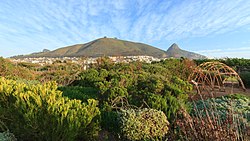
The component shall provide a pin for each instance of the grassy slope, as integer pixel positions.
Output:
(104, 47)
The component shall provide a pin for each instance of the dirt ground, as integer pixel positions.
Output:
(207, 93)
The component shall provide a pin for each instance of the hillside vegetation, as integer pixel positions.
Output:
(115, 101)
(11, 70)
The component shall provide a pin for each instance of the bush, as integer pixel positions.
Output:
(7, 136)
(210, 127)
(110, 121)
(223, 118)
(78, 92)
(245, 77)
(39, 112)
(63, 73)
(162, 95)
(236, 102)
(145, 124)
(150, 85)
(9, 70)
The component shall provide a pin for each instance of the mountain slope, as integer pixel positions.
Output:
(175, 52)
(103, 47)
(113, 47)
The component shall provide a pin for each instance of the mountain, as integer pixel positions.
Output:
(46, 50)
(175, 52)
(103, 47)
(113, 47)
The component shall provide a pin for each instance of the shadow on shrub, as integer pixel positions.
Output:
(245, 76)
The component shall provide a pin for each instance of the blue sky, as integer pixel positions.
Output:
(215, 28)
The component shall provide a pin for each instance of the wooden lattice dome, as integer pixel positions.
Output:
(215, 75)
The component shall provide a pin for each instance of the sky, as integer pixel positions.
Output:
(215, 28)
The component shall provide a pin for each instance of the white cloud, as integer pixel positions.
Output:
(69, 22)
(240, 52)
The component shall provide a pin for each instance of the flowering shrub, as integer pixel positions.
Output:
(145, 124)
(39, 112)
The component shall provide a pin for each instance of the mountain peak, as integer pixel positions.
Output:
(45, 50)
(107, 38)
(174, 46)
(175, 51)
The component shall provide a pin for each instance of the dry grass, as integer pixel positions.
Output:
(209, 125)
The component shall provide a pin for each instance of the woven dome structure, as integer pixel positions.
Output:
(215, 75)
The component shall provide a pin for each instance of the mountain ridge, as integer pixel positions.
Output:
(111, 47)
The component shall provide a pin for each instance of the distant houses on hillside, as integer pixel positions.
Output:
(85, 61)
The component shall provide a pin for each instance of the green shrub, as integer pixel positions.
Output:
(160, 94)
(245, 77)
(149, 85)
(7, 136)
(10, 70)
(78, 92)
(236, 102)
(145, 124)
(39, 112)
(64, 73)
(237, 96)
(110, 121)
(221, 118)
(28, 82)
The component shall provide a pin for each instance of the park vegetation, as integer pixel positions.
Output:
(117, 101)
